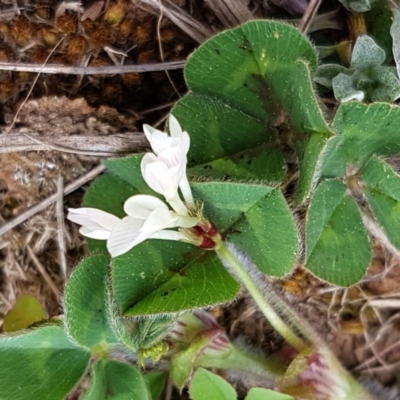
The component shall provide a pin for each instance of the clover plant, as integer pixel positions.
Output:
(216, 205)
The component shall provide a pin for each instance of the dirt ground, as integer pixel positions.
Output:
(57, 128)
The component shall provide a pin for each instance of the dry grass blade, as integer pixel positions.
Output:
(180, 18)
(107, 70)
(309, 14)
(43, 272)
(62, 248)
(230, 12)
(51, 199)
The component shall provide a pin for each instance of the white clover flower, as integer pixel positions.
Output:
(148, 217)
(166, 147)
(161, 141)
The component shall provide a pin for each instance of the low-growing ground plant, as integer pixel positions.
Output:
(254, 178)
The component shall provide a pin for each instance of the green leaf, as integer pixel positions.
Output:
(268, 91)
(206, 385)
(40, 364)
(86, 314)
(27, 311)
(128, 170)
(115, 380)
(155, 382)
(268, 235)
(338, 250)
(382, 189)
(266, 394)
(379, 21)
(165, 277)
(261, 164)
(362, 131)
(140, 334)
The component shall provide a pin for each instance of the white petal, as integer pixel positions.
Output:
(160, 177)
(160, 219)
(142, 205)
(93, 219)
(94, 234)
(174, 126)
(176, 132)
(158, 140)
(125, 235)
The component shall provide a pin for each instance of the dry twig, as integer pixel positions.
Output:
(308, 15)
(123, 143)
(110, 70)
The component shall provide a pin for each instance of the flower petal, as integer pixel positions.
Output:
(176, 132)
(160, 177)
(142, 205)
(96, 224)
(158, 140)
(125, 235)
(160, 219)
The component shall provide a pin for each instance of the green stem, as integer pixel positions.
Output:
(239, 359)
(266, 308)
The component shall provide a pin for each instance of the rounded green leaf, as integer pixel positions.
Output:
(264, 394)
(40, 364)
(205, 386)
(248, 84)
(86, 313)
(27, 311)
(337, 245)
(265, 229)
(382, 189)
(115, 380)
(155, 382)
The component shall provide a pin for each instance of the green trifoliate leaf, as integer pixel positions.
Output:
(357, 5)
(264, 394)
(40, 364)
(337, 245)
(205, 386)
(240, 109)
(382, 189)
(27, 311)
(86, 312)
(115, 380)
